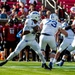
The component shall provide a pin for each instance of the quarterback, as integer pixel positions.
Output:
(28, 38)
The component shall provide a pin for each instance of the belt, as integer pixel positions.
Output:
(46, 34)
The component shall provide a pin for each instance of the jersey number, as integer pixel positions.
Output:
(52, 23)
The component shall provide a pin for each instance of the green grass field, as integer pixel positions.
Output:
(34, 68)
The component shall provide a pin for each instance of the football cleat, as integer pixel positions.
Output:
(45, 66)
(4, 62)
(60, 63)
(50, 65)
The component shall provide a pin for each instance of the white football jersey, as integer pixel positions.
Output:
(28, 26)
(50, 27)
(64, 24)
(70, 33)
(73, 22)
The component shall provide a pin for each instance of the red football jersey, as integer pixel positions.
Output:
(10, 33)
(1, 30)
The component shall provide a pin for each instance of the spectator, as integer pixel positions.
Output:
(23, 1)
(3, 14)
(21, 4)
(31, 8)
(43, 11)
(12, 14)
(6, 6)
(1, 38)
(14, 7)
(61, 14)
(21, 13)
(9, 32)
(72, 13)
(34, 2)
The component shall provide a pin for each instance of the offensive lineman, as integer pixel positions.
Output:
(68, 39)
(71, 47)
(49, 29)
(28, 38)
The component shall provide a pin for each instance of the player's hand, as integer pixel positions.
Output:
(73, 26)
(36, 28)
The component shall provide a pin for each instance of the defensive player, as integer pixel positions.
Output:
(28, 38)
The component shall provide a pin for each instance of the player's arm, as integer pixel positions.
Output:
(26, 29)
(41, 25)
(57, 36)
(30, 30)
(70, 27)
(63, 31)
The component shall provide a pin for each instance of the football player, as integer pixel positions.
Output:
(49, 29)
(68, 39)
(28, 38)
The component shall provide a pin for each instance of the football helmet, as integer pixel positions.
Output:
(54, 17)
(35, 15)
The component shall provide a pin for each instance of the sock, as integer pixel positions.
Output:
(51, 59)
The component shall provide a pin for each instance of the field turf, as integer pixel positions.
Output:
(34, 68)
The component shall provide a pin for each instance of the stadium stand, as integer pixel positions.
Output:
(67, 4)
(11, 2)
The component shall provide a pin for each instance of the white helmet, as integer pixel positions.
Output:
(35, 15)
(54, 17)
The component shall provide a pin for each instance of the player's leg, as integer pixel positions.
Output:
(73, 55)
(66, 42)
(6, 49)
(18, 48)
(26, 50)
(42, 44)
(21, 56)
(70, 48)
(52, 44)
(66, 55)
(61, 62)
(36, 48)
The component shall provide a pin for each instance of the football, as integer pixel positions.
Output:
(36, 28)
